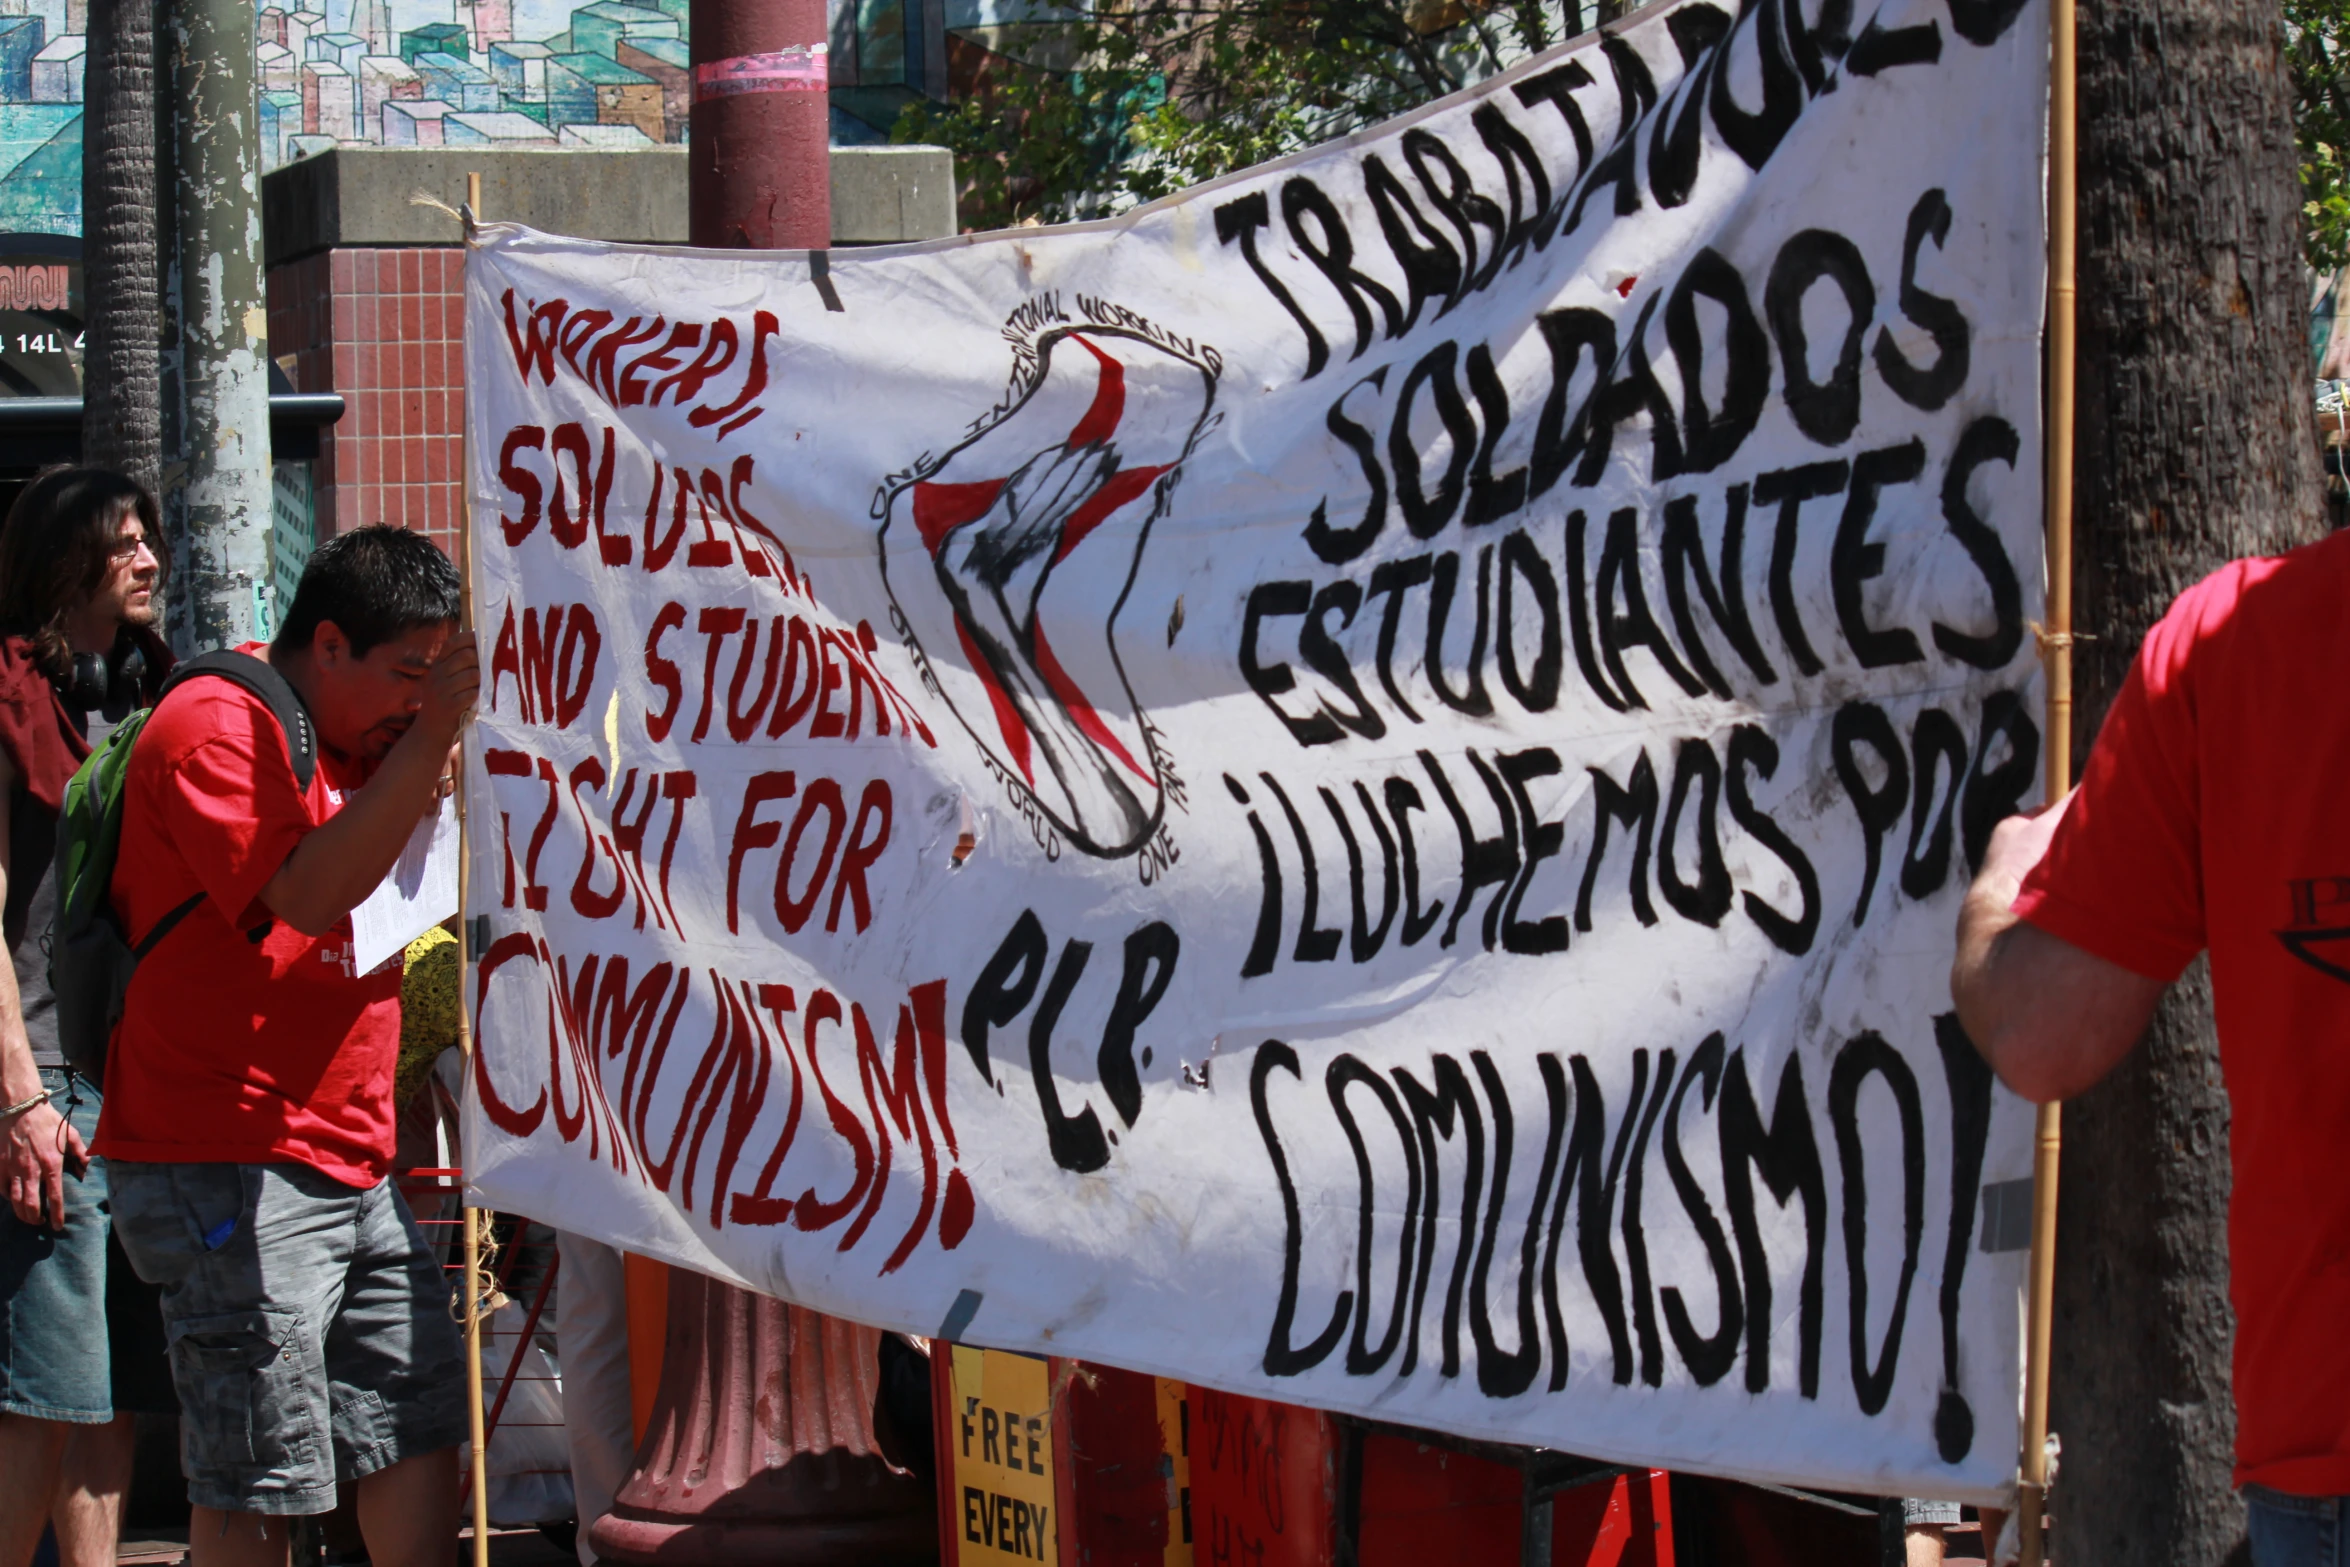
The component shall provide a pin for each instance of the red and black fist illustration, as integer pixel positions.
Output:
(1035, 529)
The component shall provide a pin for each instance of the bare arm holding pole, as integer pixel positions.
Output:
(2050, 1018)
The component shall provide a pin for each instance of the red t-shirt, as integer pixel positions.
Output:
(232, 1050)
(2213, 814)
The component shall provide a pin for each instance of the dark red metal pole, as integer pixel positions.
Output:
(760, 151)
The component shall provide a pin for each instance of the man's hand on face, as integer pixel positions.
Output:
(449, 691)
(41, 1145)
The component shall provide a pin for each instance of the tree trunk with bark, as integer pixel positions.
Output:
(2196, 446)
(121, 394)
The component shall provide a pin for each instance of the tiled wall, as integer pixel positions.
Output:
(385, 329)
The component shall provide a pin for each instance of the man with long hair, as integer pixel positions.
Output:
(81, 1344)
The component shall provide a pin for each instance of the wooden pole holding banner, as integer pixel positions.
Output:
(2056, 648)
(465, 955)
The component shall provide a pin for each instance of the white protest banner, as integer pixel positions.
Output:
(1352, 786)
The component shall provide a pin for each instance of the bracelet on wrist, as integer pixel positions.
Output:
(22, 1105)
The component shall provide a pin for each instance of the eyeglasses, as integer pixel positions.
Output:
(126, 549)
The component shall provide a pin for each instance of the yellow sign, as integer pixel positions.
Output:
(1175, 1446)
(1003, 1437)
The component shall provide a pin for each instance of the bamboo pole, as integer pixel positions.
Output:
(2057, 651)
(465, 957)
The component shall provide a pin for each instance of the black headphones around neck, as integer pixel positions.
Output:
(104, 685)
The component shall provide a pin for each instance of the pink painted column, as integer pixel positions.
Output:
(762, 1451)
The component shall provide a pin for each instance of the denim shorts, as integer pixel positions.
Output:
(2297, 1531)
(81, 1339)
(309, 1328)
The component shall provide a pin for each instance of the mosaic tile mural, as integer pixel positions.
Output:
(608, 74)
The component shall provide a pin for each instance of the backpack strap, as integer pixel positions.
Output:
(260, 677)
(163, 928)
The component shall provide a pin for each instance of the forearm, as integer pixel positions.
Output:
(2050, 1018)
(20, 1077)
(335, 867)
(1984, 996)
(37, 1145)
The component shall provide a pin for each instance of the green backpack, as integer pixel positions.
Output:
(91, 959)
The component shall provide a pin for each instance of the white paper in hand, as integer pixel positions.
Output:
(419, 892)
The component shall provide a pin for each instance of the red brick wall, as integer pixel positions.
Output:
(385, 329)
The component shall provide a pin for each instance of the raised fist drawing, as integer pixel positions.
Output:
(1080, 458)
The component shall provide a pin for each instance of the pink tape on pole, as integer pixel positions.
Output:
(799, 68)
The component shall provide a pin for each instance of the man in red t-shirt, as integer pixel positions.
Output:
(2211, 818)
(248, 1122)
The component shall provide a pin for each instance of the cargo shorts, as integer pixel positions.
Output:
(308, 1324)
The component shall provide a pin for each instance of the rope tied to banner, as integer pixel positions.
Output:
(2049, 641)
(462, 216)
(485, 1299)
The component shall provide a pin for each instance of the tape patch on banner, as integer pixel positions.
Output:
(799, 68)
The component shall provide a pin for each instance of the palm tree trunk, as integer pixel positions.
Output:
(121, 395)
(2195, 447)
